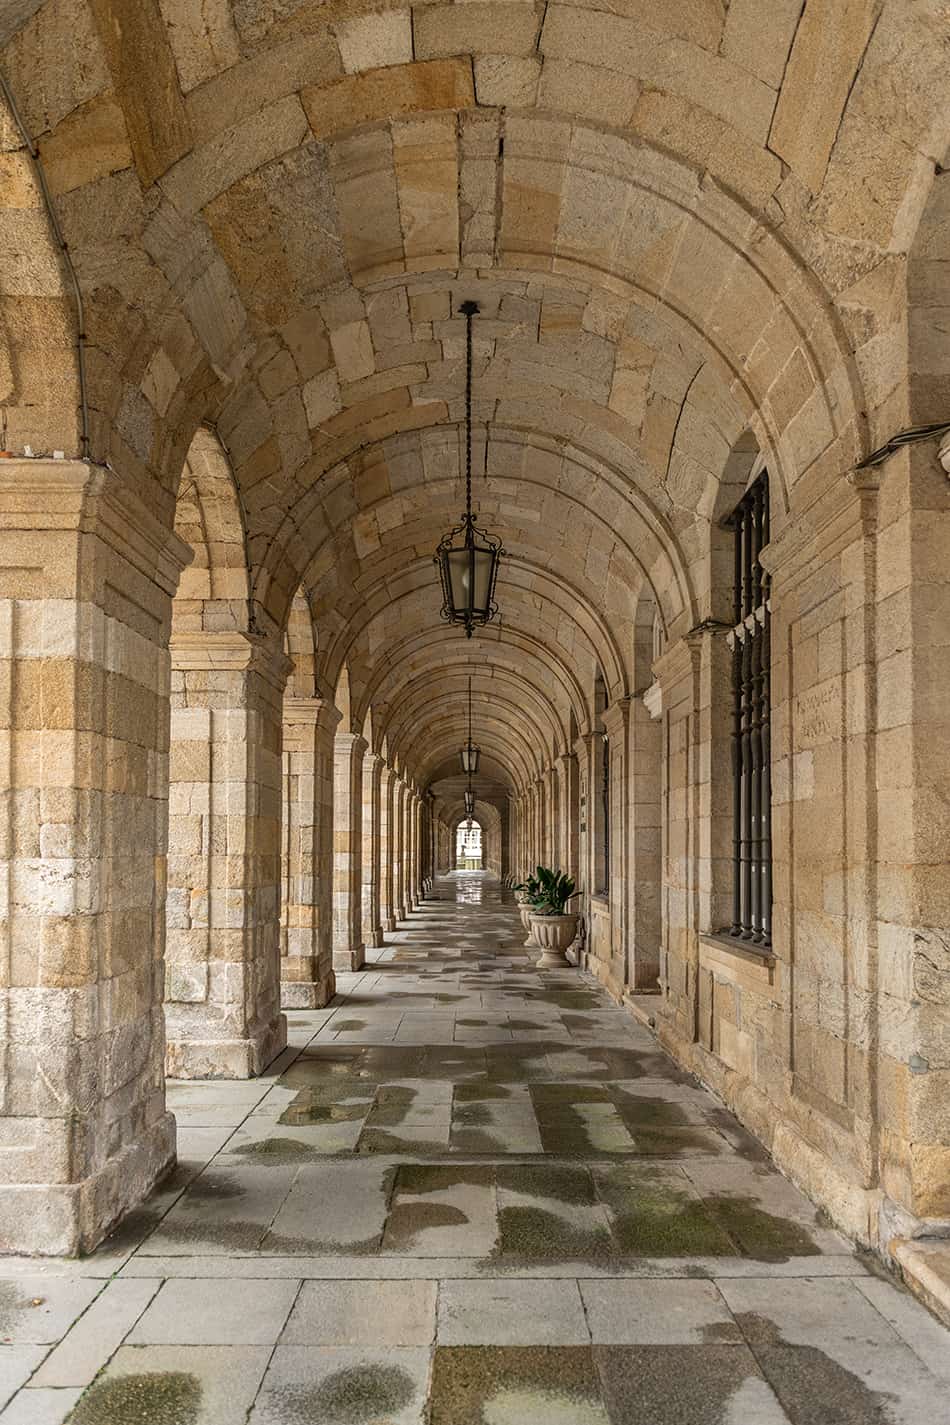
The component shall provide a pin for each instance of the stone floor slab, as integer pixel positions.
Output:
(362, 1313)
(511, 1313)
(38, 1309)
(686, 1385)
(199, 1313)
(526, 1385)
(200, 1385)
(41, 1406)
(17, 1364)
(99, 1331)
(335, 1386)
(657, 1313)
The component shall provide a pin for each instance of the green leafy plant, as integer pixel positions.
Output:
(530, 889)
(548, 892)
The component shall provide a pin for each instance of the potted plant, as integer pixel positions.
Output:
(553, 927)
(527, 895)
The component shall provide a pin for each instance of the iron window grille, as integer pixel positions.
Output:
(751, 739)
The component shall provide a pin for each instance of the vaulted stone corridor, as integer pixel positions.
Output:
(453, 451)
(471, 1191)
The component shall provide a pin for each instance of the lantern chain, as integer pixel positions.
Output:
(469, 309)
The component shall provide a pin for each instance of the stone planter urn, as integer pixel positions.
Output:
(525, 909)
(553, 933)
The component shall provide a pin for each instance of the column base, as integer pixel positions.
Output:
(373, 938)
(307, 994)
(69, 1219)
(226, 1058)
(400, 913)
(389, 927)
(345, 962)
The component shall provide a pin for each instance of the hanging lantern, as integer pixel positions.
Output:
(469, 802)
(468, 556)
(469, 754)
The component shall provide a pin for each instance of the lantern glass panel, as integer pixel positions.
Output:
(470, 758)
(484, 561)
(460, 578)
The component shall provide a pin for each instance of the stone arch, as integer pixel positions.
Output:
(214, 592)
(489, 818)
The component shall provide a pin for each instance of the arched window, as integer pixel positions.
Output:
(751, 703)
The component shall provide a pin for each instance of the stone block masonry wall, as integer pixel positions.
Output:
(222, 974)
(86, 580)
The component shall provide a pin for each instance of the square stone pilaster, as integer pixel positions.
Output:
(566, 769)
(223, 953)
(387, 792)
(400, 797)
(414, 895)
(372, 917)
(88, 575)
(348, 947)
(306, 945)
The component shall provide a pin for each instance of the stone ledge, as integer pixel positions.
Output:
(925, 1268)
(643, 1007)
(737, 963)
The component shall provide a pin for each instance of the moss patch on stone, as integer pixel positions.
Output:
(159, 1397)
(353, 1396)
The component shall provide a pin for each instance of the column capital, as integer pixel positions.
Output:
(373, 765)
(58, 496)
(680, 659)
(615, 716)
(311, 710)
(230, 652)
(354, 741)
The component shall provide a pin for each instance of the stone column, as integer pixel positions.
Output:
(88, 579)
(372, 918)
(222, 984)
(417, 891)
(348, 948)
(407, 850)
(387, 791)
(306, 944)
(398, 849)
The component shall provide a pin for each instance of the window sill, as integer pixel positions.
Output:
(738, 962)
